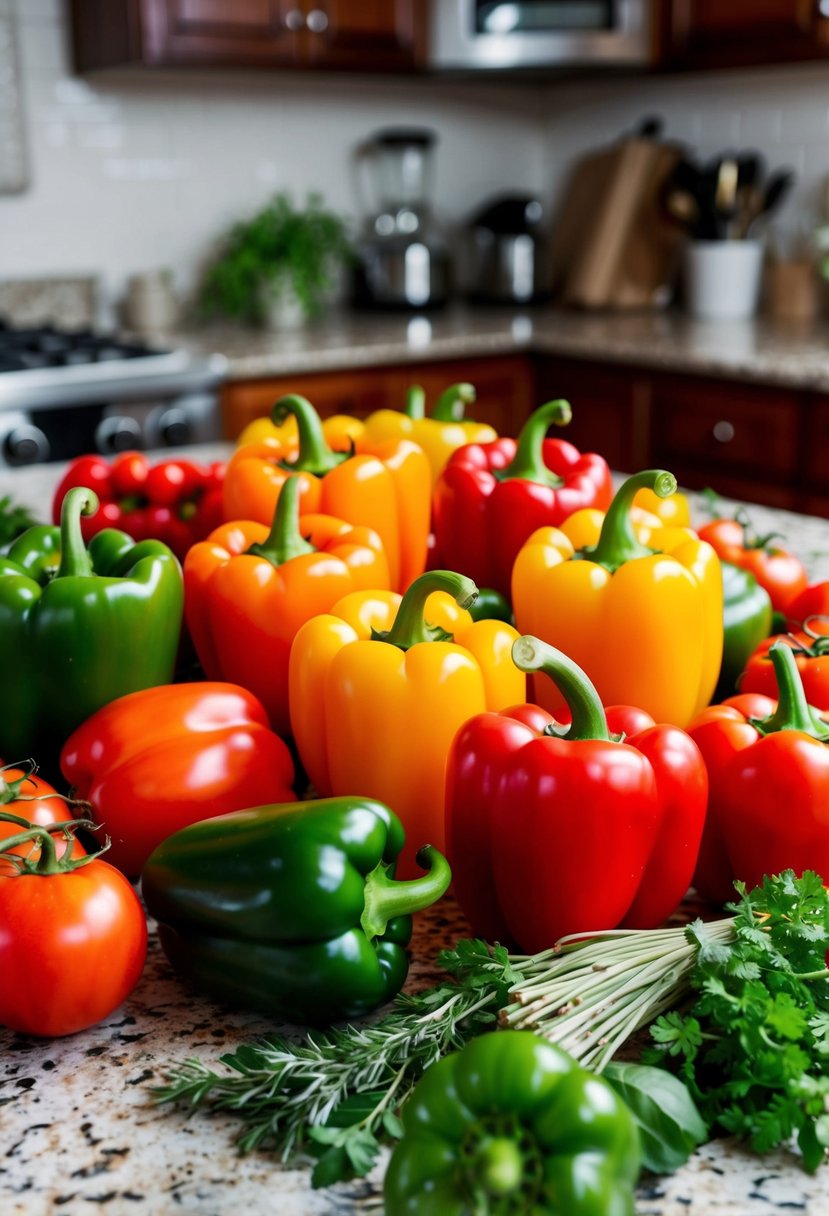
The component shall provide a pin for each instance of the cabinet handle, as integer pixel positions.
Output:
(317, 21)
(723, 431)
(294, 19)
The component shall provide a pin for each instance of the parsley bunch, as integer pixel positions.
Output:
(753, 1048)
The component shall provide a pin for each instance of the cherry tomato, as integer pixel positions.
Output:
(39, 803)
(129, 474)
(72, 948)
(780, 572)
(171, 481)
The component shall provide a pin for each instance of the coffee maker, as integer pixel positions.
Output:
(402, 257)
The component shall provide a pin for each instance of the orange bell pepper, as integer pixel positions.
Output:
(247, 591)
(639, 607)
(384, 486)
(376, 695)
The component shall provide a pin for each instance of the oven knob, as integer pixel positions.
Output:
(174, 427)
(25, 444)
(118, 434)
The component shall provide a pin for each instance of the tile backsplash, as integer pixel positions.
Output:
(135, 170)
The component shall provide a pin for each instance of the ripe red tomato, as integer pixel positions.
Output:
(72, 948)
(29, 797)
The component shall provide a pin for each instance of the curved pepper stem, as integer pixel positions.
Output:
(588, 716)
(74, 558)
(409, 626)
(793, 710)
(284, 541)
(452, 402)
(528, 461)
(315, 456)
(386, 898)
(617, 542)
(415, 403)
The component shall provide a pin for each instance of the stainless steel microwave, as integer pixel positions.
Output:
(497, 34)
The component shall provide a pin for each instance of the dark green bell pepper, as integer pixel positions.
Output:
(747, 620)
(512, 1126)
(491, 606)
(79, 628)
(292, 909)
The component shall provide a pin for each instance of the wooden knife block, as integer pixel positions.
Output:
(612, 244)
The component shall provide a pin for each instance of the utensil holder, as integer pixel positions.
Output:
(722, 279)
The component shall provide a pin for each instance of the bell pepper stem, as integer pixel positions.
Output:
(793, 710)
(386, 898)
(528, 462)
(588, 717)
(315, 456)
(617, 542)
(74, 558)
(452, 402)
(409, 626)
(284, 541)
(500, 1164)
(415, 403)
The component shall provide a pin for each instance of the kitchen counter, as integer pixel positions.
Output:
(763, 351)
(79, 1130)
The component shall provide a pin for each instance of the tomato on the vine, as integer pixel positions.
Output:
(32, 801)
(73, 939)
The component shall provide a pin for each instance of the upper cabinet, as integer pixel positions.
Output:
(373, 35)
(738, 33)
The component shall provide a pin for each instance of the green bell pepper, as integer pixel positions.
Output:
(79, 628)
(513, 1126)
(491, 606)
(747, 620)
(292, 909)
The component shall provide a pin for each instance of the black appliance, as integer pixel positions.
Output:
(66, 392)
(507, 252)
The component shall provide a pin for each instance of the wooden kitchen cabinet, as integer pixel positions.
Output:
(374, 35)
(611, 409)
(505, 387)
(735, 33)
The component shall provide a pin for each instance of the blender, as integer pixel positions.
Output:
(402, 257)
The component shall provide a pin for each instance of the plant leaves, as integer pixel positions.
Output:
(332, 1167)
(670, 1126)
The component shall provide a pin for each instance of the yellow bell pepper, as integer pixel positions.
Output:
(338, 429)
(384, 486)
(638, 607)
(377, 695)
(440, 434)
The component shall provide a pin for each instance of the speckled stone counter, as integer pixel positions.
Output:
(80, 1133)
(761, 350)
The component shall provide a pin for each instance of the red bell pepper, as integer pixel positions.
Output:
(491, 496)
(176, 501)
(811, 654)
(158, 760)
(813, 601)
(567, 829)
(768, 768)
(781, 573)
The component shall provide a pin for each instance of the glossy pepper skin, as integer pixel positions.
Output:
(639, 609)
(747, 620)
(439, 435)
(768, 766)
(248, 589)
(811, 654)
(79, 628)
(292, 910)
(491, 497)
(513, 1125)
(565, 829)
(175, 501)
(780, 572)
(153, 762)
(384, 486)
(377, 694)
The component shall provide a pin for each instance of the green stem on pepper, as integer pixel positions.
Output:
(452, 402)
(415, 403)
(284, 541)
(386, 898)
(74, 558)
(588, 716)
(528, 462)
(409, 626)
(315, 456)
(793, 710)
(617, 541)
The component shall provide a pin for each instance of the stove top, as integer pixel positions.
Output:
(25, 349)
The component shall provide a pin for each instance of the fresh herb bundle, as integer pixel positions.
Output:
(753, 1048)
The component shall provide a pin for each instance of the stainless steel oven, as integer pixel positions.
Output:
(503, 34)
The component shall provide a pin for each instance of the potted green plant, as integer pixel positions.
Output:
(277, 267)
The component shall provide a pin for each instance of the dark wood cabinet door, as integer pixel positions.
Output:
(221, 32)
(732, 33)
(374, 35)
(610, 409)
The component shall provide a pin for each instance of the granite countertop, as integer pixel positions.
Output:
(793, 355)
(79, 1130)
